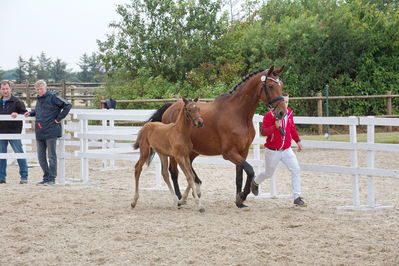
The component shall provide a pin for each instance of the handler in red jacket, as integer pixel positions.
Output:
(279, 134)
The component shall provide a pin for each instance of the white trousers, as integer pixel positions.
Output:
(288, 157)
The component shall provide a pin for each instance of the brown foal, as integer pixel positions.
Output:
(170, 140)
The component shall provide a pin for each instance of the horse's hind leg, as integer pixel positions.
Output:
(144, 153)
(186, 167)
(165, 175)
(174, 174)
(138, 167)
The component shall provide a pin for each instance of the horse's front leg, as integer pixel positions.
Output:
(185, 165)
(239, 172)
(164, 162)
(198, 181)
(249, 170)
(240, 162)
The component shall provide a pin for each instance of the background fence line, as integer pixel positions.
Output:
(107, 134)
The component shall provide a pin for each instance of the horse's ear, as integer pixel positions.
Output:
(196, 100)
(270, 70)
(278, 71)
(185, 100)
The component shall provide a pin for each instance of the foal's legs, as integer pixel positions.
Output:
(165, 174)
(137, 171)
(185, 165)
(174, 173)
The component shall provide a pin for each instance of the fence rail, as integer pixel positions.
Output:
(91, 138)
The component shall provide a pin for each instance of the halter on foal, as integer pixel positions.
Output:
(230, 130)
(170, 140)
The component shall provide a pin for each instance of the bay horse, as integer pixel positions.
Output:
(171, 140)
(230, 130)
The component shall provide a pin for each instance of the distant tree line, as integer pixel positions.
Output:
(43, 67)
(163, 48)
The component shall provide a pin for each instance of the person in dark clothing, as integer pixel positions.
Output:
(10, 105)
(50, 110)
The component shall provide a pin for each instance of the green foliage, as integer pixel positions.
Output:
(164, 48)
(166, 37)
(91, 68)
(45, 68)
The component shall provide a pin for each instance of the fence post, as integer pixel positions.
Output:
(370, 164)
(389, 107)
(63, 86)
(61, 156)
(320, 111)
(354, 164)
(84, 161)
(101, 104)
(27, 91)
(73, 95)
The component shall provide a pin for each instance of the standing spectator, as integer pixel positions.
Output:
(279, 134)
(50, 110)
(13, 106)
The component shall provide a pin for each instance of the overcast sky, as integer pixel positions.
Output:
(64, 29)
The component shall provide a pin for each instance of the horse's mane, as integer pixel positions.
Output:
(239, 84)
(245, 79)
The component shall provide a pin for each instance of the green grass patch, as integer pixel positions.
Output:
(380, 137)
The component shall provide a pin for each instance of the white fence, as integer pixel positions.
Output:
(27, 139)
(110, 142)
(353, 146)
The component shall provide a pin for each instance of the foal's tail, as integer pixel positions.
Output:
(152, 154)
(157, 115)
(136, 145)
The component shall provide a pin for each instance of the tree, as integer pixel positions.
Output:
(20, 74)
(91, 67)
(58, 70)
(1, 73)
(44, 66)
(167, 37)
(31, 69)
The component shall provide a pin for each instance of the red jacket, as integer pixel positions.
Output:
(274, 139)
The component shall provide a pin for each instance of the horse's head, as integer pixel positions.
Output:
(272, 91)
(192, 111)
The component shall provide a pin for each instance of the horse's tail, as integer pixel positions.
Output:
(136, 145)
(140, 137)
(157, 115)
(150, 157)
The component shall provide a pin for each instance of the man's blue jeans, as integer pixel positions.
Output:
(49, 168)
(16, 145)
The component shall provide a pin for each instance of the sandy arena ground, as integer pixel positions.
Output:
(94, 224)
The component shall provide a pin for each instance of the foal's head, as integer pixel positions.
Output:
(272, 91)
(192, 112)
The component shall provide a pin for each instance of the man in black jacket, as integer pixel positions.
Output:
(10, 105)
(50, 110)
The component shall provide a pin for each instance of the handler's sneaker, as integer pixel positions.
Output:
(46, 183)
(23, 181)
(299, 202)
(2, 181)
(254, 188)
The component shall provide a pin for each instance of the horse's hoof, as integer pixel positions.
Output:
(181, 202)
(240, 200)
(241, 205)
(198, 194)
(202, 210)
(133, 205)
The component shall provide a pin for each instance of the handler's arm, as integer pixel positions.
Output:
(269, 124)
